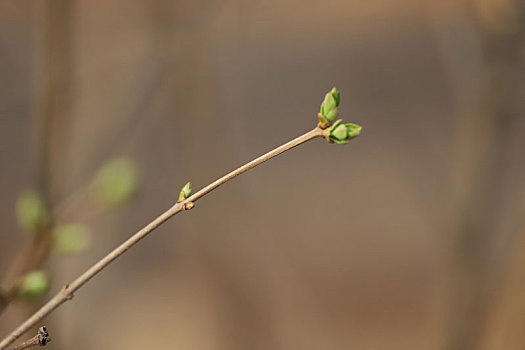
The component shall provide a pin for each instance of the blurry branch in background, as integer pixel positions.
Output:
(46, 222)
(500, 26)
(54, 226)
(337, 132)
(52, 106)
(113, 186)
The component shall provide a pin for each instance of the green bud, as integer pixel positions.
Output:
(329, 102)
(341, 133)
(71, 238)
(354, 130)
(31, 211)
(117, 181)
(333, 114)
(185, 192)
(329, 108)
(34, 285)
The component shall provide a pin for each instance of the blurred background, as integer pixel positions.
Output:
(410, 237)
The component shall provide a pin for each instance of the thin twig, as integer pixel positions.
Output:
(66, 293)
(32, 255)
(41, 338)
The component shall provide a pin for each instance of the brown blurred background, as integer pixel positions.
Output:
(410, 237)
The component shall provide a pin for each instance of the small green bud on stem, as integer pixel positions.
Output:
(329, 108)
(189, 206)
(185, 192)
(341, 133)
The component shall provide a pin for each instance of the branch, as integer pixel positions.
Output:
(67, 291)
(334, 133)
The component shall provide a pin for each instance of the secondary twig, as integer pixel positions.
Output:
(67, 291)
(32, 255)
(41, 338)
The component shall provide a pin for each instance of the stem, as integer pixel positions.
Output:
(41, 338)
(27, 344)
(66, 293)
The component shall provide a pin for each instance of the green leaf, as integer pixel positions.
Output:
(34, 284)
(31, 211)
(71, 238)
(117, 182)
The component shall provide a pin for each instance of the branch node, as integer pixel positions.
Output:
(188, 205)
(67, 295)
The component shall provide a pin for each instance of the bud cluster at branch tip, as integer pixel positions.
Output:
(185, 192)
(337, 132)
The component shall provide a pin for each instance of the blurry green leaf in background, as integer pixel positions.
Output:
(34, 284)
(117, 181)
(31, 211)
(71, 238)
